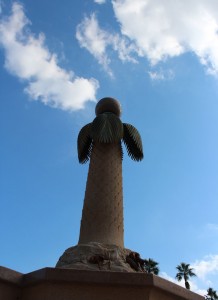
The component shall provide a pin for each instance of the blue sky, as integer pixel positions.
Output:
(160, 60)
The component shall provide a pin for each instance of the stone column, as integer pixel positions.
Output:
(102, 216)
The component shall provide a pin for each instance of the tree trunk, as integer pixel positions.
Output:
(102, 216)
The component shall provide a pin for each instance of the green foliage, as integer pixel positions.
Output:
(185, 272)
(211, 294)
(151, 266)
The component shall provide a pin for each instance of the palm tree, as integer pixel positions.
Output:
(102, 216)
(211, 294)
(151, 266)
(184, 273)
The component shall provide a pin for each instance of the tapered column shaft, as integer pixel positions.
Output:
(102, 216)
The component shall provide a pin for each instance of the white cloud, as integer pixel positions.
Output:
(169, 28)
(161, 75)
(156, 75)
(124, 48)
(27, 57)
(97, 41)
(100, 1)
(161, 29)
(209, 265)
(205, 269)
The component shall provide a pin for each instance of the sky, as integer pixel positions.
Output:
(159, 58)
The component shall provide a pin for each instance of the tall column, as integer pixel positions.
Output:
(102, 216)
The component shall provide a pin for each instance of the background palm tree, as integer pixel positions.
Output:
(151, 266)
(185, 272)
(102, 216)
(211, 294)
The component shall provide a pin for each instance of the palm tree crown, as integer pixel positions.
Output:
(151, 266)
(107, 128)
(185, 272)
(211, 294)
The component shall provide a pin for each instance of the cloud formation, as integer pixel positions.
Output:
(97, 41)
(161, 74)
(94, 39)
(209, 265)
(161, 29)
(169, 28)
(27, 57)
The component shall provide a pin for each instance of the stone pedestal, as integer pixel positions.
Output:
(95, 256)
(68, 284)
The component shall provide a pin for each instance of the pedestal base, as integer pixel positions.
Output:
(68, 284)
(95, 256)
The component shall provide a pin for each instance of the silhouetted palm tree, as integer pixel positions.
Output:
(151, 266)
(185, 272)
(211, 294)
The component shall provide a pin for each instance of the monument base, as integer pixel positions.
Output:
(68, 284)
(95, 256)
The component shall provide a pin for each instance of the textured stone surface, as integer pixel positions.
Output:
(102, 216)
(80, 257)
(68, 284)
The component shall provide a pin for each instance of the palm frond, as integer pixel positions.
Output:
(84, 144)
(179, 268)
(151, 266)
(211, 294)
(191, 273)
(178, 276)
(132, 141)
(107, 128)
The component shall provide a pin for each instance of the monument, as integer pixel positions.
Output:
(98, 267)
(102, 218)
(101, 231)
